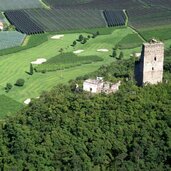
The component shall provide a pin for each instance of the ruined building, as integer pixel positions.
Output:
(98, 85)
(149, 69)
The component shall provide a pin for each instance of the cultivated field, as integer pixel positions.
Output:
(19, 4)
(65, 2)
(11, 39)
(40, 20)
(149, 17)
(95, 4)
(159, 3)
(161, 33)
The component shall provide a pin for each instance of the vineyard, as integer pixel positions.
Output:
(22, 22)
(19, 4)
(94, 4)
(163, 3)
(10, 39)
(33, 21)
(65, 2)
(65, 61)
(161, 33)
(115, 18)
(149, 17)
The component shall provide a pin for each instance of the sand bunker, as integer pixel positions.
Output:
(27, 101)
(78, 51)
(102, 50)
(57, 36)
(39, 61)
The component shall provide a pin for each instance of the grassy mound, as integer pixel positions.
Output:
(66, 60)
(130, 41)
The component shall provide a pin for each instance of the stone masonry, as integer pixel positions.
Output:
(151, 63)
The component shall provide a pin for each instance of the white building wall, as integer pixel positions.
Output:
(90, 87)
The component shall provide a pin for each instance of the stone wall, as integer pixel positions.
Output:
(151, 63)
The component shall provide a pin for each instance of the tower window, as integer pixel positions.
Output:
(155, 58)
(152, 68)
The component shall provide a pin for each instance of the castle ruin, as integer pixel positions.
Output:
(150, 67)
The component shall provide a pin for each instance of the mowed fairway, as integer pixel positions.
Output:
(14, 66)
(8, 106)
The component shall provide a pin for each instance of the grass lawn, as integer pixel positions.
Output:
(130, 41)
(14, 66)
(8, 106)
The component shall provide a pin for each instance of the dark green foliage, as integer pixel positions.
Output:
(84, 40)
(74, 43)
(61, 50)
(69, 130)
(80, 38)
(20, 82)
(31, 69)
(8, 87)
(121, 55)
(66, 60)
(114, 54)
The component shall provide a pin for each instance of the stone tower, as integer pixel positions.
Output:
(151, 63)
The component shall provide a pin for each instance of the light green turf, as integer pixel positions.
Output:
(13, 66)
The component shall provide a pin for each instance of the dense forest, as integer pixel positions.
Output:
(71, 130)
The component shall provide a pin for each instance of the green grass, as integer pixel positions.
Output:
(14, 66)
(161, 33)
(65, 61)
(130, 41)
(8, 106)
(30, 42)
(101, 30)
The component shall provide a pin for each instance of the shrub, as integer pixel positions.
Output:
(8, 87)
(20, 82)
(43, 71)
(121, 55)
(80, 38)
(31, 69)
